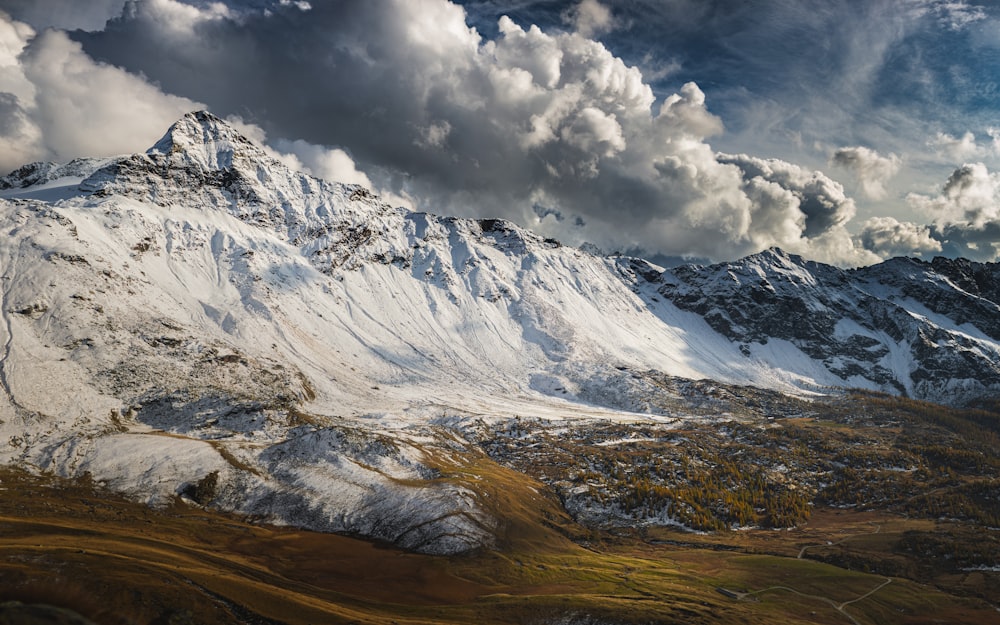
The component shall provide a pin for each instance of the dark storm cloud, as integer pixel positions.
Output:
(476, 126)
(796, 79)
(12, 115)
(499, 121)
(767, 67)
(344, 73)
(976, 243)
(821, 200)
(66, 14)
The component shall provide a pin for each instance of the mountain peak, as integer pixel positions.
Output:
(202, 139)
(775, 256)
(202, 154)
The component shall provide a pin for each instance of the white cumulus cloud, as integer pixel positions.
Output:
(889, 237)
(967, 147)
(590, 18)
(970, 196)
(871, 169)
(59, 103)
(966, 213)
(800, 210)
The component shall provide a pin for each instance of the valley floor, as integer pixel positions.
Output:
(116, 562)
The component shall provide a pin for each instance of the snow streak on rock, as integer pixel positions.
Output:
(199, 320)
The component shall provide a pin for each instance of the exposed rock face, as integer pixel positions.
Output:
(927, 330)
(201, 321)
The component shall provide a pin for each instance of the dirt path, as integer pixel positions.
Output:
(839, 607)
(878, 528)
(867, 594)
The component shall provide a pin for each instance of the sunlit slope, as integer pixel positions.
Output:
(200, 319)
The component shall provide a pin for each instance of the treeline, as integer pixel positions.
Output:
(708, 493)
(864, 450)
(958, 548)
(977, 501)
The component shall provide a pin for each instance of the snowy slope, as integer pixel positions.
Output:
(902, 326)
(200, 314)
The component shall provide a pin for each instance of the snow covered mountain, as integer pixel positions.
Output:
(199, 319)
(924, 330)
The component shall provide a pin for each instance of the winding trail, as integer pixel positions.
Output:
(833, 604)
(802, 552)
(839, 607)
(866, 595)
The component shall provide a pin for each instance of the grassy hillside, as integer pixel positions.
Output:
(117, 562)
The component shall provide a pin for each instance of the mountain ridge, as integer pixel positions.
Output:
(204, 310)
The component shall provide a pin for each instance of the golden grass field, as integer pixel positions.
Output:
(118, 562)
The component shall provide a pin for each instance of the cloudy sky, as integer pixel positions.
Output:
(844, 130)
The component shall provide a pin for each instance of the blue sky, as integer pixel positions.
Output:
(846, 131)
